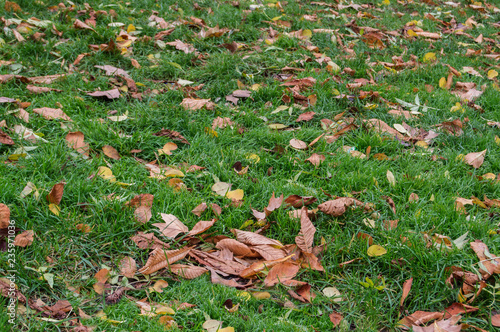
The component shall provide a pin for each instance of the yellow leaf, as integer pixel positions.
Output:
(307, 33)
(497, 140)
(236, 195)
(277, 126)
(162, 310)
(226, 329)
(460, 157)
(261, 295)
(442, 82)
(106, 173)
(211, 132)
(167, 148)
(15, 157)
(386, 2)
(492, 74)
(245, 295)
(411, 33)
(376, 250)
(55, 209)
(429, 57)
(253, 158)
(130, 28)
(457, 106)
(489, 176)
(422, 144)
(276, 18)
(159, 285)
(255, 87)
(174, 172)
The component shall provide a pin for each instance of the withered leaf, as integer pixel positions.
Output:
(172, 134)
(281, 273)
(148, 241)
(128, 267)
(299, 201)
(316, 159)
(475, 159)
(274, 203)
(5, 139)
(305, 238)
(24, 239)
(76, 141)
(298, 144)
(197, 104)
(236, 247)
(254, 239)
(172, 226)
(81, 25)
(113, 71)
(307, 116)
(258, 267)
(199, 209)
(111, 152)
(4, 216)
(52, 113)
(335, 318)
(160, 258)
(181, 46)
(406, 290)
(337, 207)
(56, 193)
(187, 271)
(201, 226)
(109, 94)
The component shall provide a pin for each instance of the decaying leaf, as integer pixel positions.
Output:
(128, 267)
(159, 258)
(475, 159)
(111, 152)
(4, 216)
(52, 113)
(172, 226)
(56, 193)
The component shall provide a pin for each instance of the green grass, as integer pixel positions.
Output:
(74, 257)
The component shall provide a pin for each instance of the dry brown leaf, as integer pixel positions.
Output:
(172, 134)
(128, 267)
(5, 139)
(56, 193)
(475, 159)
(274, 203)
(258, 267)
(495, 320)
(4, 216)
(181, 46)
(11, 292)
(111, 152)
(335, 318)
(197, 104)
(299, 201)
(81, 25)
(113, 71)
(490, 262)
(76, 141)
(298, 144)
(236, 247)
(160, 258)
(172, 226)
(201, 226)
(109, 94)
(148, 241)
(281, 273)
(307, 116)
(406, 290)
(40, 89)
(198, 210)
(268, 252)
(316, 159)
(419, 318)
(52, 113)
(187, 271)
(305, 238)
(24, 239)
(413, 198)
(337, 207)
(222, 123)
(254, 239)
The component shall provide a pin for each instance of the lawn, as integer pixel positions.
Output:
(249, 165)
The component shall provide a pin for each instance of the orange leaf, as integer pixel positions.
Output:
(111, 152)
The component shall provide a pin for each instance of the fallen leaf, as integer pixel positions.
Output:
(201, 226)
(52, 113)
(187, 271)
(5, 139)
(475, 159)
(76, 141)
(159, 285)
(406, 290)
(167, 149)
(305, 238)
(111, 152)
(391, 178)
(81, 25)
(181, 46)
(56, 193)
(24, 239)
(109, 94)
(4, 216)
(197, 104)
(335, 318)
(128, 267)
(376, 250)
(113, 71)
(281, 273)
(495, 320)
(159, 258)
(235, 195)
(221, 188)
(198, 210)
(298, 144)
(307, 116)
(172, 134)
(172, 226)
